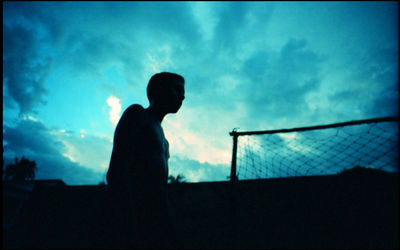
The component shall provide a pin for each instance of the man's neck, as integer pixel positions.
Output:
(156, 113)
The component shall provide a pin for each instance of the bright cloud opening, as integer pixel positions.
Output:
(115, 112)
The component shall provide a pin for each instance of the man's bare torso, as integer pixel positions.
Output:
(140, 149)
(159, 146)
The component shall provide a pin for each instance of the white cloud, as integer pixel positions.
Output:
(194, 144)
(69, 157)
(29, 117)
(115, 112)
(86, 149)
(82, 133)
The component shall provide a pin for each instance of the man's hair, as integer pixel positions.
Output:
(158, 79)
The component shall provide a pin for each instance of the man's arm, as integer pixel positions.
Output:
(137, 158)
(125, 140)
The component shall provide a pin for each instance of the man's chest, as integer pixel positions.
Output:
(157, 143)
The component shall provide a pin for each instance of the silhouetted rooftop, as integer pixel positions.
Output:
(339, 211)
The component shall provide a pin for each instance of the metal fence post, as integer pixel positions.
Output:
(233, 191)
(233, 177)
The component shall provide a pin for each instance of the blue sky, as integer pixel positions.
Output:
(71, 68)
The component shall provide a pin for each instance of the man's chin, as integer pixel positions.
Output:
(174, 109)
(177, 108)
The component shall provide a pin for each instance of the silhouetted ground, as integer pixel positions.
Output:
(353, 210)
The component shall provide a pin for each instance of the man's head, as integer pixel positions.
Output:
(167, 90)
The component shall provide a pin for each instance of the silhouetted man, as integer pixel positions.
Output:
(138, 171)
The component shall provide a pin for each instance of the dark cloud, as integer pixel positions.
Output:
(29, 136)
(94, 52)
(279, 83)
(23, 70)
(268, 90)
(386, 103)
(89, 37)
(380, 66)
(239, 23)
(372, 84)
(155, 19)
(231, 20)
(35, 141)
(28, 30)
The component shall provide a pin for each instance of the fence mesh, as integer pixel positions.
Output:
(318, 151)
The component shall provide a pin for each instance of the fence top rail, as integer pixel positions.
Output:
(341, 124)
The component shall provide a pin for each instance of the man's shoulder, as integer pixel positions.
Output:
(134, 111)
(131, 116)
(134, 108)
